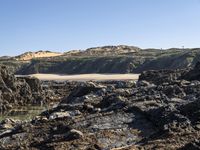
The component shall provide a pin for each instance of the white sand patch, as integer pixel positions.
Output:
(86, 77)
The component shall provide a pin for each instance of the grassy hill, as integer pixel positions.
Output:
(107, 59)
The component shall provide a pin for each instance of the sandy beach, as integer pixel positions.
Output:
(86, 77)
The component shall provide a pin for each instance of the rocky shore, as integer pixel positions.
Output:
(22, 91)
(160, 111)
(18, 91)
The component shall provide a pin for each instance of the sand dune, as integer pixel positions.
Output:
(86, 77)
(40, 54)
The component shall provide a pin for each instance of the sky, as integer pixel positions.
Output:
(62, 25)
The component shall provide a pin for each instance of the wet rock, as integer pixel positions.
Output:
(58, 115)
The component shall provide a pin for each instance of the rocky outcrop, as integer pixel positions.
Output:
(149, 114)
(55, 90)
(160, 111)
(193, 74)
(25, 90)
(18, 91)
(164, 76)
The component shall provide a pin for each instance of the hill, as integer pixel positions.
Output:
(39, 54)
(106, 59)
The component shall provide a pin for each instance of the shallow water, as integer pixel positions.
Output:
(24, 113)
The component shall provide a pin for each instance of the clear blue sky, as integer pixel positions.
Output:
(61, 25)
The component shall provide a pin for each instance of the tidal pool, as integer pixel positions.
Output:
(24, 112)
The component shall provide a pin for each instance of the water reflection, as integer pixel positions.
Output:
(25, 112)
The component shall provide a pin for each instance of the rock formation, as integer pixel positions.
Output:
(18, 91)
(160, 111)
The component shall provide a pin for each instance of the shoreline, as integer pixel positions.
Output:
(84, 77)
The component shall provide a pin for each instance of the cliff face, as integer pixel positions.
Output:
(83, 65)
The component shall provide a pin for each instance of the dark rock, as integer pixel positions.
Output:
(18, 91)
(194, 74)
(82, 89)
(162, 76)
(160, 111)
(195, 145)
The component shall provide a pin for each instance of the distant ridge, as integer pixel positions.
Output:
(105, 59)
(104, 51)
(113, 50)
(109, 50)
(94, 51)
(4, 57)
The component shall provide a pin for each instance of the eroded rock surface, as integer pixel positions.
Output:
(160, 111)
(18, 91)
(25, 90)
